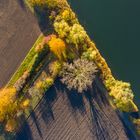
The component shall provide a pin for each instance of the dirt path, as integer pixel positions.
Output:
(68, 116)
(18, 32)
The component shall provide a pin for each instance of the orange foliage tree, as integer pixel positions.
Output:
(58, 47)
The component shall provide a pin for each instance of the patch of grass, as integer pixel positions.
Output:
(29, 6)
(26, 64)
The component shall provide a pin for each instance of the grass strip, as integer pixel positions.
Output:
(26, 63)
(29, 6)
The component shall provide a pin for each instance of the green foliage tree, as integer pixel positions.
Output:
(123, 96)
(48, 3)
(77, 35)
(62, 28)
(54, 68)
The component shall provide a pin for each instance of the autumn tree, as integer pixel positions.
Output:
(58, 47)
(7, 102)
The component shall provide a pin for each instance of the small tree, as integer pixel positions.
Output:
(123, 96)
(37, 2)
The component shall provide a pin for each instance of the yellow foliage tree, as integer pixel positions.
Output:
(7, 102)
(123, 96)
(54, 68)
(37, 2)
(58, 47)
(48, 3)
(25, 103)
(11, 125)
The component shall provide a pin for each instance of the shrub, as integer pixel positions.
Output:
(121, 90)
(109, 82)
(56, 3)
(49, 81)
(77, 35)
(123, 96)
(89, 54)
(34, 91)
(39, 84)
(11, 125)
(39, 48)
(25, 104)
(44, 85)
(48, 3)
(79, 75)
(39, 3)
(54, 68)
(21, 81)
(48, 38)
(68, 16)
(58, 47)
(62, 28)
(136, 122)
(126, 105)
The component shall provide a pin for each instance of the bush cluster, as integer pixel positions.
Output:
(10, 106)
(123, 96)
(55, 68)
(67, 27)
(21, 81)
(47, 3)
(42, 86)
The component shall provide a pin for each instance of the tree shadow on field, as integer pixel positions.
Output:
(41, 114)
(42, 15)
(102, 125)
(74, 99)
(25, 132)
(45, 106)
(21, 3)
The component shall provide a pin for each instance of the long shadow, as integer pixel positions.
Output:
(104, 127)
(75, 99)
(42, 15)
(35, 120)
(21, 3)
(102, 100)
(105, 130)
(45, 106)
(130, 132)
(100, 93)
(25, 132)
(44, 23)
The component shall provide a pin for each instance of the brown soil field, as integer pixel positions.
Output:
(61, 115)
(18, 32)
